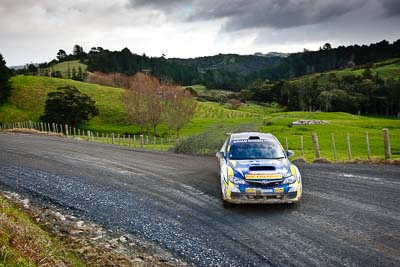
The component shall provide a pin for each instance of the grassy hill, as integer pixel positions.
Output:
(386, 69)
(63, 67)
(29, 95)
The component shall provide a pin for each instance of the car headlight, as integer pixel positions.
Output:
(236, 180)
(288, 178)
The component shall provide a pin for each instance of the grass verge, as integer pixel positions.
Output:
(24, 243)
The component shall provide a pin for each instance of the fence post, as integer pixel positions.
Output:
(41, 126)
(129, 140)
(333, 146)
(74, 131)
(112, 138)
(134, 140)
(287, 144)
(302, 146)
(147, 139)
(161, 141)
(66, 130)
(348, 146)
(79, 132)
(119, 140)
(107, 138)
(141, 141)
(30, 124)
(88, 134)
(316, 145)
(97, 136)
(386, 142)
(367, 143)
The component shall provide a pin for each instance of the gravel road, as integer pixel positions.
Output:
(349, 214)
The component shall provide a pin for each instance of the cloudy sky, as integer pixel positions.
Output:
(34, 30)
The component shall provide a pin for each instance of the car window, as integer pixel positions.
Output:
(255, 149)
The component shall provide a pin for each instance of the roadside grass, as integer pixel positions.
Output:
(339, 124)
(23, 243)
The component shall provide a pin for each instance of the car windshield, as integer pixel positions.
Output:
(255, 149)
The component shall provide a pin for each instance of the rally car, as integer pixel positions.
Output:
(254, 168)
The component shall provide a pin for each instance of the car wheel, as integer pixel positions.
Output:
(226, 204)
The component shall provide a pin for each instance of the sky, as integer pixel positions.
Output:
(34, 30)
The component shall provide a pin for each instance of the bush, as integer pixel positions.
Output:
(68, 106)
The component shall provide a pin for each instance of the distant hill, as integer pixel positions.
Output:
(232, 71)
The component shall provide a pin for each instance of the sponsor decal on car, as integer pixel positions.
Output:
(264, 176)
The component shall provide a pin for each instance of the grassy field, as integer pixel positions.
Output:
(29, 95)
(63, 67)
(24, 243)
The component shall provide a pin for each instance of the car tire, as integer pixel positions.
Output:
(226, 204)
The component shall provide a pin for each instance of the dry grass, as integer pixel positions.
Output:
(23, 243)
(30, 131)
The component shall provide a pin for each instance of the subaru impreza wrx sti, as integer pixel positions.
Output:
(254, 168)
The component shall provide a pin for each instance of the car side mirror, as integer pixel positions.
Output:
(290, 153)
(220, 155)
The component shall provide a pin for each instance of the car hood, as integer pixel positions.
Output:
(261, 169)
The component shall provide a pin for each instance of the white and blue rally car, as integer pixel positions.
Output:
(254, 168)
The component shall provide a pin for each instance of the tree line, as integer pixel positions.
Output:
(364, 94)
(235, 72)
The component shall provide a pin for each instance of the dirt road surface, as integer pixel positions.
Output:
(349, 214)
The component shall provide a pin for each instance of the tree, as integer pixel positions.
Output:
(327, 46)
(5, 75)
(235, 103)
(68, 106)
(136, 108)
(179, 107)
(78, 52)
(61, 55)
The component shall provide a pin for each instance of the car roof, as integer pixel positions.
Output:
(247, 135)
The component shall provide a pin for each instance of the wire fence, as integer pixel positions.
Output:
(127, 140)
(333, 146)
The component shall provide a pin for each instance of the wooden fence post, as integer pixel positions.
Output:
(302, 146)
(287, 144)
(129, 140)
(161, 141)
(147, 139)
(141, 141)
(348, 146)
(333, 146)
(134, 140)
(88, 134)
(367, 143)
(79, 132)
(316, 145)
(119, 140)
(112, 138)
(66, 130)
(386, 142)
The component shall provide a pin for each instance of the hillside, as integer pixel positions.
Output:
(29, 95)
(385, 69)
(214, 120)
(232, 71)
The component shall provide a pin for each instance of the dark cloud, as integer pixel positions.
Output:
(244, 14)
(392, 7)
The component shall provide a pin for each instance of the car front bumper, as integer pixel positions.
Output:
(245, 194)
(246, 198)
